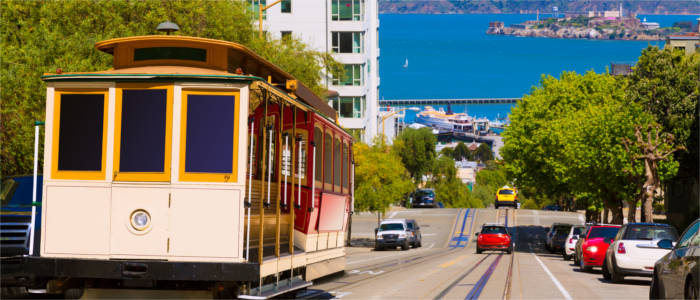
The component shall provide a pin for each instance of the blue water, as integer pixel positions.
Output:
(450, 56)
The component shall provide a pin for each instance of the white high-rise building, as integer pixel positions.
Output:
(349, 30)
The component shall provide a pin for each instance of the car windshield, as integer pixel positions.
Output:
(577, 230)
(604, 232)
(494, 230)
(391, 226)
(650, 233)
(506, 192)
(428, 193)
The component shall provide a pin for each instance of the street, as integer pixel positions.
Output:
(447, 266)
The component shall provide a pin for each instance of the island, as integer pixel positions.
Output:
(607, 25)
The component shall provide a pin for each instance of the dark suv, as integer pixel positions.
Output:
(415, 239)
(424, 198)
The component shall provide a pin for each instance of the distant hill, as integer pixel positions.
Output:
(691, 7)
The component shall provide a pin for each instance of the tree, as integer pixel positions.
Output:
(380, 178)
(461, 152)
(488, 181)
(449, 189)
(416, 147)
(41, 36)
(655, 148)
(565, 138)
(483, 153)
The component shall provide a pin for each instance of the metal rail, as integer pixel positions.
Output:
(398, 102)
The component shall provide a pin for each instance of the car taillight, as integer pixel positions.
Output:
(621, 248)
(571, 240)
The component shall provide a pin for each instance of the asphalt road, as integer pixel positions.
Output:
(447, 266)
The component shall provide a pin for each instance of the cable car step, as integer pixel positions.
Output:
(272, 290)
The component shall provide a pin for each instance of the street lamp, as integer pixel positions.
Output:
(260, 13)
(396, 112)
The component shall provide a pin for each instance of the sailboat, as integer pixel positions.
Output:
(405, 64)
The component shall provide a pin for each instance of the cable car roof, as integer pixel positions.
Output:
(160, 56)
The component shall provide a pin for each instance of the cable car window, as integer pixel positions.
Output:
(143, 130)
(209, 130)
(81, 132)
(336, 163)
(346, 176)
(318, 141)
(184, 53)
(328, 159)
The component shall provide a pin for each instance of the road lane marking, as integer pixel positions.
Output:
(479, 286)
(454, 227)
(370, 272)
(551, 276)
(456, 281)
(536, 215)
(452, 262)
(461, 233)
(393, 214)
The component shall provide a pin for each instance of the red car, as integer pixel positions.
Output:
(493, 237)
(596, 242)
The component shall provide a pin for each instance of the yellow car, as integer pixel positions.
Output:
(506, 196)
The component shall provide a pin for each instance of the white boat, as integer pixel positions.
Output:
(405, 64)
(445, 122)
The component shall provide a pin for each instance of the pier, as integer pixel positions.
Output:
(396, 102)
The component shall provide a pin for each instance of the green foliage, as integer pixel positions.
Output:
(448, 188)
(565, 139)
(488, 181)
(380, 178)
(416, 147)
(461, 151)
(666, 83)
(41, 36)
(483, 153)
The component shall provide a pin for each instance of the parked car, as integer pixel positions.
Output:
(634, 250)
(393, 233)
(559, 238)
(424, 198)
(506, 196)
(494, 237)
(595, 245)
(415, 239)
(552, 230)
(570, 242)
(677, 274)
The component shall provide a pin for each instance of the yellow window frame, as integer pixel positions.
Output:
(78, 175)
(143, 176)
(209, 177)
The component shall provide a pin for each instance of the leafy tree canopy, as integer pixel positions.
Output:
(416, 147)
(380, 178)
(41, 36)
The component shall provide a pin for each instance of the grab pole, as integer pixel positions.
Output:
(36, 167)
(301, 144)
(269, 165)
(250, 189)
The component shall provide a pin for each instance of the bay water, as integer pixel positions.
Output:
(451, 56)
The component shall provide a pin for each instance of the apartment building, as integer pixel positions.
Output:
(349, 29)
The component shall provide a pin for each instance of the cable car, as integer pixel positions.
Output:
(193, 163)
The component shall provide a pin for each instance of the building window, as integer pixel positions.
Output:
(81, 126)
(347, 10)
(349, 107)
(286, 6)
(255, 7)
(348, 42)
(354, 75)
(286, 34)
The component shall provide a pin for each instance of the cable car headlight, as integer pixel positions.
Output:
(140, 219)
